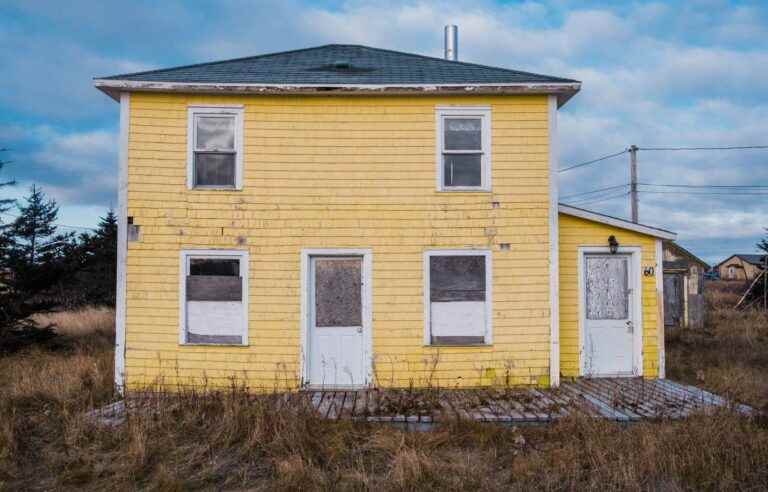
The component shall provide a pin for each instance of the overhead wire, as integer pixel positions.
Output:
(736, 187)
(595, 191)
(735, 147)
(598, 199)
(593, 161)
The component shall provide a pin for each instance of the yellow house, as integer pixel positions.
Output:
(345, 216)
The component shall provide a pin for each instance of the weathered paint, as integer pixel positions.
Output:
(339, 172)
(574, 233)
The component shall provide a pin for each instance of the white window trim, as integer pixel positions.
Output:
(229, 110)
(482, 112)
(488, 335)
(184, 257)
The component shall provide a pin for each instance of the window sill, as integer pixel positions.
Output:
(457, 345)
(464, 190)
(229, 345)
(214, 188)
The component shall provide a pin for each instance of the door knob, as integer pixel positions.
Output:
(630, 327)
(359, 329)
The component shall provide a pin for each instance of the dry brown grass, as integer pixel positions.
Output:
(87, 322)
(728, 356)
(231, 440)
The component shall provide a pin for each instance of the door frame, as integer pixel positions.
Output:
(637, 306)
(367, 310)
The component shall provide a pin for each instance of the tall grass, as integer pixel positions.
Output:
(233, 440)
(730, 354)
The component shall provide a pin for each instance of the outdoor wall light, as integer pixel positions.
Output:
(613, 244)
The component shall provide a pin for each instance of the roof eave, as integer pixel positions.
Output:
(563, 90)
(616, 222)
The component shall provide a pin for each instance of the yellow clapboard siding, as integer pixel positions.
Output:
(354, 172)
(574, 233)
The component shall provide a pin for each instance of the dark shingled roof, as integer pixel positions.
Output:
(754, 259)
(340, 64)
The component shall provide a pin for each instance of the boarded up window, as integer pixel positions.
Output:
(457, 298)
(338, 292)
(607, 287)
(215, 154)
(214, 301)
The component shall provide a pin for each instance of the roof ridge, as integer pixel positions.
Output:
(471, 64)
(299, 50)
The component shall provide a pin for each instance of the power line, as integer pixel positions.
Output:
(739, 147)
(594, 200)
(703, 193)
(703, 186)
(582, 164)
(595, 191)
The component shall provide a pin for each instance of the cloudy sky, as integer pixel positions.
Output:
(655, 74)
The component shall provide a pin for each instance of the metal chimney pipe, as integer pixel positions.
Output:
(451, 42)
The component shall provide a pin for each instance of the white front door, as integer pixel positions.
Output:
(608, 318)
(336, 354)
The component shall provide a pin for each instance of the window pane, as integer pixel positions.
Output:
(462, 170)
(214, 266)
(215, 133)
(338, 296)
(214, 169)
(456, 278)
(462, 133)
(607, 285)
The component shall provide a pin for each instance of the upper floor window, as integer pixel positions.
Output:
(464, 149)
(215, 147)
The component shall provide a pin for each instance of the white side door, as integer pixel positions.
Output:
(608, 315)
(336, 289)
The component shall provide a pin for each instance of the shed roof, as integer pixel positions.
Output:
(616, 222)
(353, 67)
(683, 252)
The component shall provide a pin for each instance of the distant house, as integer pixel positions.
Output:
(683, 287)
(347, 216)
(741, 267)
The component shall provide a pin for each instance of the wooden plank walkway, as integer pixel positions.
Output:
(619, 399)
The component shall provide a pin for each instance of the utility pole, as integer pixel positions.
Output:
(765, 283)
(633, 181)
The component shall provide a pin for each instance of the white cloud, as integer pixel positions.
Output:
(79, 152)
(75, 168)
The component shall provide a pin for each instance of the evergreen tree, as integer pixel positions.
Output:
(95, 277)
(762, 245)
(5, 203)
(34, 261)
(34, 230)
